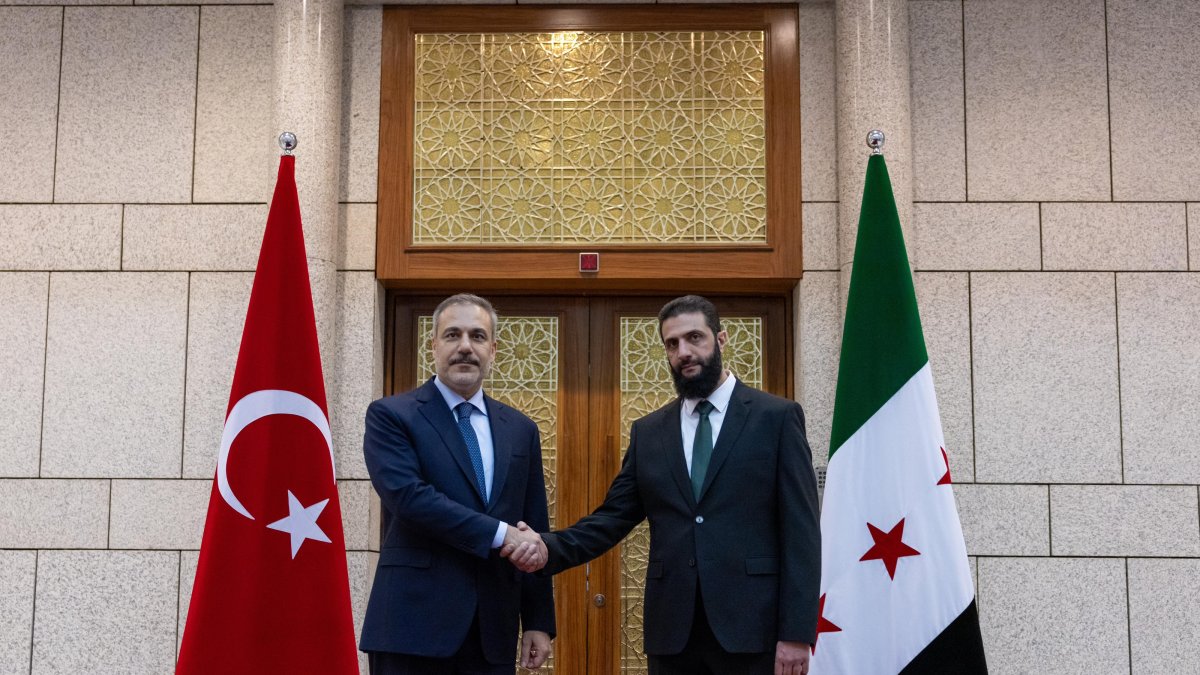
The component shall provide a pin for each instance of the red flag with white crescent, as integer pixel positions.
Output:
(271, 591)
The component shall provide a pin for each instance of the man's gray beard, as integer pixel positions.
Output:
(704, 383)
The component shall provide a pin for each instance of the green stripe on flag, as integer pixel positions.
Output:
(882, 347)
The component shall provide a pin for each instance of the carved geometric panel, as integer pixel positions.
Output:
(602, 137)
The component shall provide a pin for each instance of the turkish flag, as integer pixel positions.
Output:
(271, 592)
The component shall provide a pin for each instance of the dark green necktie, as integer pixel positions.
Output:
(702, 447)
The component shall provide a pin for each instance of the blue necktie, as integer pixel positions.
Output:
(464, 411)
(702, 447)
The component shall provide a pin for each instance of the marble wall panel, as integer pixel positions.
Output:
(114, 375)
(1152, 60)
(23, 298)
(1159, 318)
(127, 104)
(235, 139)
(30, 46)
(1045, 368)
(106, 612)
(1037, 104)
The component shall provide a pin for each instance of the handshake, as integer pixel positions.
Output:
(524, 548)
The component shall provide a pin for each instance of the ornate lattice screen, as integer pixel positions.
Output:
(543, 138)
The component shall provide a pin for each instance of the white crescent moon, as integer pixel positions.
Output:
(255, 406)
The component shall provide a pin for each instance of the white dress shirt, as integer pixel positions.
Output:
(483, 432)
(689, 420)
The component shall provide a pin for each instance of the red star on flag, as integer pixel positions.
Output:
(945, 480)
(823, 625)
(888, 547)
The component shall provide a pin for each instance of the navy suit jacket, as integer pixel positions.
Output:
(751, 543)
(437, 569)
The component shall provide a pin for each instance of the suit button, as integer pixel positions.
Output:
(691, 562)
(699, 519)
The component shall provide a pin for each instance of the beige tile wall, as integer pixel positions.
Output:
(1069, 218)
(1159, 316)
(17, 571)
(1153, 93)
(30, 44)
(1036, 100)
(115, 350)
(105, 611)
(1054, 615)
(1047, 403)
(23, 361)
(136, 159)
(944, 298)
(939, 134)
(127, 141)
(234, 99)
(1164, 593)
(1054, 202)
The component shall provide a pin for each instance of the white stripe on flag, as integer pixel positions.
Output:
(888, 471)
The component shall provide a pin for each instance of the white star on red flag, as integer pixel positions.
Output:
(301, 522)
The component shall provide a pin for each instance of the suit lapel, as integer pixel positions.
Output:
(671, 436)
(433, 408)
(502, 445)
(731, 431)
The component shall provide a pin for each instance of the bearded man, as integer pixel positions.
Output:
(724, 474)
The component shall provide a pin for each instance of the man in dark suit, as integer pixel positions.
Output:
(453, 468)
(724, 474)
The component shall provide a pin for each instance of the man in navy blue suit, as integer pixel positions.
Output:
(457, 472)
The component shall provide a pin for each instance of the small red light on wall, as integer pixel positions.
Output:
(589, 262)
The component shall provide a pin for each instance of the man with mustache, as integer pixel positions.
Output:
(456, 472)
(724, 474)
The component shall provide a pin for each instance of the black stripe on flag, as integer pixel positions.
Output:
(958, 650)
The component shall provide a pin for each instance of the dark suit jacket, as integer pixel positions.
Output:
(752, 543)
(436, 566)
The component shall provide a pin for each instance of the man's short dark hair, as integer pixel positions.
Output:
(687, 305)
(466, 299)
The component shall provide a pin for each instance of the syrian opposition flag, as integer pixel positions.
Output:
(896, 590)
(271, 592)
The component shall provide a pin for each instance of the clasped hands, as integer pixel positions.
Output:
(524, 548)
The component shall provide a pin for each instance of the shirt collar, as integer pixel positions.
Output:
(453, 398)
(719, 397)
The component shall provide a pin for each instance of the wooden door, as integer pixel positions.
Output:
(583, 369)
